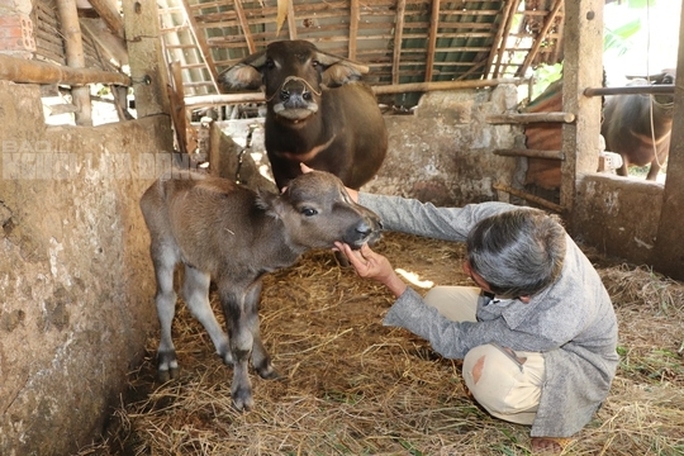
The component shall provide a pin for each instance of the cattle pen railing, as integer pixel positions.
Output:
(559, 117)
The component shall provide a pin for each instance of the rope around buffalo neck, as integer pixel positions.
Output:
(294, 78)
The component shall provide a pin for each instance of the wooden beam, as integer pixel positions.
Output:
(205, 52)
(531, 153)
(75, 58)
(548, 22)
(240, 11)
(35, 72)
(110, 15)
(354, 17)
(532, 117)
(529, 197)
(398, 31)
(432, 40)
(291, 21)
(504, 37)
(497, 43)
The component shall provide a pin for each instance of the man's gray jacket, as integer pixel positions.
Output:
(572, 322)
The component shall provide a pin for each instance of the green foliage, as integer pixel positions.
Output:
(544, 76)
(617, 40)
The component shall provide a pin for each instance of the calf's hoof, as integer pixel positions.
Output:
(242, 399)
(167, 365)
(268, 373)
(164, 375)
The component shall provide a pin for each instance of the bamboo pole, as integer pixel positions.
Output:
(630, 90)
(258, 97)
(75, 58)
(440, 85)
(529, 197)
(35, 72)
(533, 117)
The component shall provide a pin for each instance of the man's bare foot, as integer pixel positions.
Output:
(549, 445)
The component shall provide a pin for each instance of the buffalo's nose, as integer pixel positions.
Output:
(363, 229)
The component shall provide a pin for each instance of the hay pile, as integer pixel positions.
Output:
(352, 387)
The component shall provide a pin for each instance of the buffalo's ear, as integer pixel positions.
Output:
(339, 71)
(245, 74)
(667, 76)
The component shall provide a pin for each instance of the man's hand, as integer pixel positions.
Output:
(371, 265)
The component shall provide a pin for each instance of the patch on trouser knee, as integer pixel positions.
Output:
(506, 388)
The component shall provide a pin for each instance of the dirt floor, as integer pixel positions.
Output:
(351, 386)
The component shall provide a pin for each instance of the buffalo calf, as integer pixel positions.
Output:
(232, 235)
(318, 112)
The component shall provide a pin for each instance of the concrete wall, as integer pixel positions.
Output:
(75, 276)
(618, 216)
(443, 153)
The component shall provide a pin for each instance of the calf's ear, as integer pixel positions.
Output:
(270, 202)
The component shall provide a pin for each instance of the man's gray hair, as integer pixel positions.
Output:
(518, 253)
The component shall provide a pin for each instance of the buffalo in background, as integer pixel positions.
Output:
(638, 127)
(319, 113)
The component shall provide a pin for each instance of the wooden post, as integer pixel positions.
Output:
(75, 58)
(148, 70)
(668, 252)
(583, 50)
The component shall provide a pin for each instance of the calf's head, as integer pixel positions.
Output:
(293, 74)
(316, 211)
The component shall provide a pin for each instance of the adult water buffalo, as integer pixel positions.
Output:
(319, 113)
(627, 121)
(228, 233)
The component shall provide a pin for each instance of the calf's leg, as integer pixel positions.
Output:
(164, 259)
(196, 296)
(261, 360)
(241, 341)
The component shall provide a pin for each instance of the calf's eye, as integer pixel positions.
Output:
(309, 212)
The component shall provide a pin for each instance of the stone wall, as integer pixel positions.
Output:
(77, 284)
